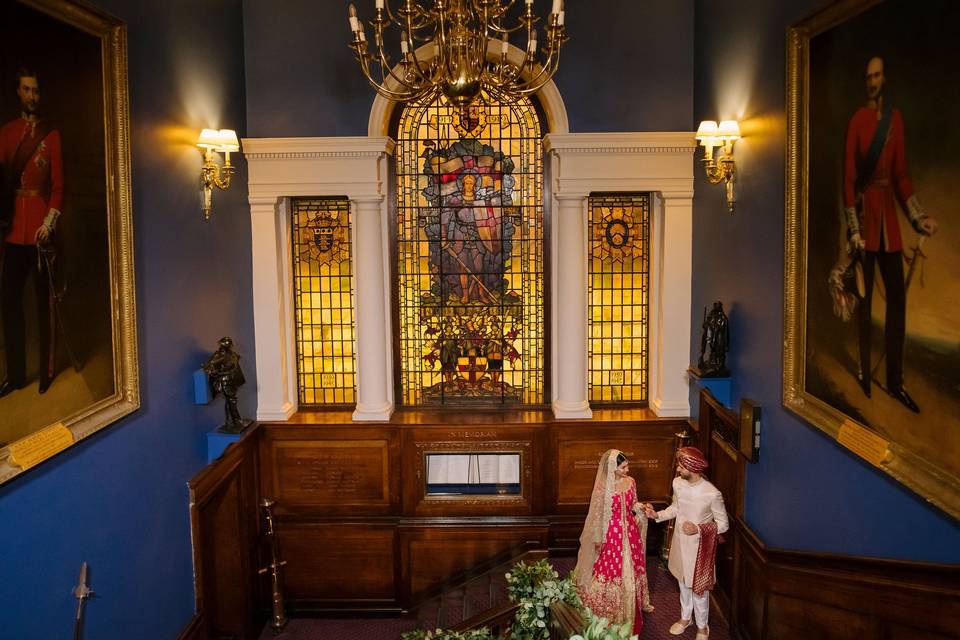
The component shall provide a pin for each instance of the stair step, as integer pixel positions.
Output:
(477, 597)
(451, 609)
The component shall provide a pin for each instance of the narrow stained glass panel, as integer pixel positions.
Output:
(619, 289)
(323, 299)
(470, 252)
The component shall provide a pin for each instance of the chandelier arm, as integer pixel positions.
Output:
(537, 74)
(413, 52)
(389, 93)
(364, 59)
(543, 75)
(535, 84)
(398, 19)
(398, 79)
(387, 69)
(502, 9)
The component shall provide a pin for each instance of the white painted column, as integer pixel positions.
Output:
(671, 396)
(371, 320)
(275, 371)
(571, 315)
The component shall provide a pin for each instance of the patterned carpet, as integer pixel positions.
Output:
(663, 594)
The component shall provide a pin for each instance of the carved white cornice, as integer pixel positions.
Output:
(306, 148)
(634, 142)
(344, 166)
(660, 161)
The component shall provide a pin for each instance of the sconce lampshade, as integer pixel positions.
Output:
(729, 130)
(707, 133)
(707, 129)
(209, 139)
(228, 140)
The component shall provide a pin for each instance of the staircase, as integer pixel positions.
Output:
(478, 598)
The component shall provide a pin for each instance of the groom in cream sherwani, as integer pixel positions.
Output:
(701, 518)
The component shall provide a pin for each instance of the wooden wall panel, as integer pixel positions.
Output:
(328, 471)
(332, 564)
(649, 447)
(796, 619)
(431, 555)
(787, 595)
(224, 525)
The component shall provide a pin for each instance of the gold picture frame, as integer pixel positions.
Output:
(812, 46)
(82, 76)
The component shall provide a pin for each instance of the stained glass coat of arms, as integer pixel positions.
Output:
(470, 253)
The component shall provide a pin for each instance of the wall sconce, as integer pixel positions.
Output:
(212, 174)
(722, 169)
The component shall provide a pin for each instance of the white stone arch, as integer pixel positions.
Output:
(555, 112)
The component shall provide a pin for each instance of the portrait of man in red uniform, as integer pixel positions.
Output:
(875, 181)
(33, 172)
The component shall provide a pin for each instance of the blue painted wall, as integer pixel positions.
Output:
(302, 79)
(119, 499)
(806, 492)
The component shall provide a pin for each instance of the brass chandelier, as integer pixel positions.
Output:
(457, 46)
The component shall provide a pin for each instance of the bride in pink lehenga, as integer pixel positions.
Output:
(611, 569)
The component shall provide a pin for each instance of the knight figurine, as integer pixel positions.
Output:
(714, 343)
(225, 376)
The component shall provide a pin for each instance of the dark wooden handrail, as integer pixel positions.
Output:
(498, 620)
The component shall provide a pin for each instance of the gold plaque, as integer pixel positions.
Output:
(37, 447)
(864, 443)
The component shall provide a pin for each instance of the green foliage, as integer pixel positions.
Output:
(439, 634)
(535, 587)
(602, 629)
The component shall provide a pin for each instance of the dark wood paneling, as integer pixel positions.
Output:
(433, 552)
(223, 516)
(196, 629)
(331, 565)
(576, 451)
(336, 484)
(331, 471)
(727, 473)
(325, 473)
(790, 595)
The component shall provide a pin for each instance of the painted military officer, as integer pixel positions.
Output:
(32, 198)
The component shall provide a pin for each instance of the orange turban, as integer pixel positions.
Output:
(692, 459)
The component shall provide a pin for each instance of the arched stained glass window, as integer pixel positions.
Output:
(470, 253)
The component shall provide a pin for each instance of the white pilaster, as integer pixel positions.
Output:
(670, 394)
(270, 293)
(373, 369)
(570, 318)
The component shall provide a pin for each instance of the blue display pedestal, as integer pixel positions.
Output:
(218, 441)
(719, 387)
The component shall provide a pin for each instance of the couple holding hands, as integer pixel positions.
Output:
(611, 565)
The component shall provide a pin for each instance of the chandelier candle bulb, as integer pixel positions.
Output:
(504, 45)
(556, 6)
(379, 4)
(560, 18)
(354, 23)
(404, 47)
